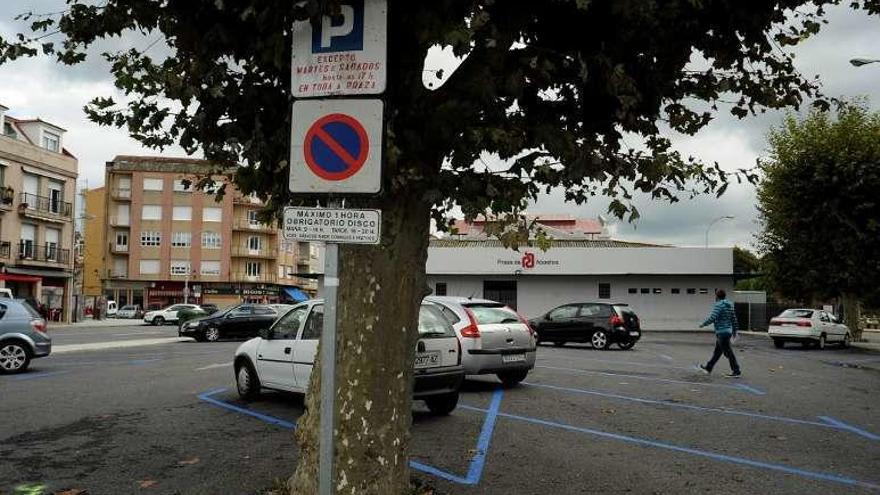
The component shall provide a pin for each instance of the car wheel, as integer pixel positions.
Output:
(246, 381)
(846, 341)
(14, 357)
(512, 378)
(559, 343)
(626, 344)
(158, 321)
(599, 340)
(212, 334)
(778, 343)
(821, 343)
(442, 404)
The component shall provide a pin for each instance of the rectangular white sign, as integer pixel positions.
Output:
(337, 225)
(344, 54)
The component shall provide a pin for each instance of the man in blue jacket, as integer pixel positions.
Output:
(724, 318)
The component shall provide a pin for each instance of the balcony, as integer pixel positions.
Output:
(263, 278)
(120, 194)
(120, 222)
(28, 251)
(119, 248)
(45, 208)
(246, 252)
(246, 200)
(7, 197)
(246, 225)
(5, 250)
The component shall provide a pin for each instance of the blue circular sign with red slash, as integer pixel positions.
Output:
(336, 147)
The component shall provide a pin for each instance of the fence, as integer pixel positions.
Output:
(756, 316)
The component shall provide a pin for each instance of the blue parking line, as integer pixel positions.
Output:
(742, 387)
(692, 451)
(844, 426)
(475, 468)
(693, 407)
(37, 376)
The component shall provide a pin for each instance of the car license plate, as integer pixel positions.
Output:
(513, 358)
(427, 359)
(634, 334)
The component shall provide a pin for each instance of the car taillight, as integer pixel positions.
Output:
(615, 321)
(471, 331)
(774, 321)
(804, 323)
(39, 325)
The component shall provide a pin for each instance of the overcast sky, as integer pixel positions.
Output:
(40, 88)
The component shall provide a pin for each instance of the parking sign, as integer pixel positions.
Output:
(344, 54)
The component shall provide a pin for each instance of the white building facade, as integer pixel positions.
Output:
(670, 288)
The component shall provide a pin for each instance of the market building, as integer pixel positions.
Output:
(154, 241)
(37, 186)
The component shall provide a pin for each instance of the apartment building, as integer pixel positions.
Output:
(37, 186)
(161, 242)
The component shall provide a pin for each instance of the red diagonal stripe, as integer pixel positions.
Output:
(336, 147)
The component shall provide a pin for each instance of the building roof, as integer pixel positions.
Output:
(561, 243)
(158, 159)
(556, 225)
(41, 121)
(179, 165)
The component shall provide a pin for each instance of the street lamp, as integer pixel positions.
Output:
(713, 222)
(858, 62)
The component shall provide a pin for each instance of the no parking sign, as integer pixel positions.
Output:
(336, 146)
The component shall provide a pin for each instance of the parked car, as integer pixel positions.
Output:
(244, 320)
(112, 309)
(808, 327)
(129, 311)
(22, 336)
(209, 308)
(494, 338)
(282, 358)
(600, 324)
(167, 315)
(6, 293)
(282, 308)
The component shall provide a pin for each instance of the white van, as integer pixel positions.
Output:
(112, 309)
(6, 293)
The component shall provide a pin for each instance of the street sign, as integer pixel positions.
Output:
(342, 55)
(336, 146)
(336, 225)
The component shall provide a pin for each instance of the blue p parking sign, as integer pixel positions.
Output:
(343, 32)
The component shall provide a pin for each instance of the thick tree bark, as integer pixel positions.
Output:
(852, 315)
(379, 295)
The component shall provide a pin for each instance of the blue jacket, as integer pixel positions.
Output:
(723, 316)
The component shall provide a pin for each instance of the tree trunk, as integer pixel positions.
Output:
(852, 315)
(380, 290)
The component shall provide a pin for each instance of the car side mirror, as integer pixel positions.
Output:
(265, 334)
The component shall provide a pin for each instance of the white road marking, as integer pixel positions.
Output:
(137, 333)
(100, 346)
(212, 366)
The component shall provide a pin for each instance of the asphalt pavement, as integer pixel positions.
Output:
(164, 419)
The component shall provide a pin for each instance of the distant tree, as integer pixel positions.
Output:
(554, 88)
(747, 269)
(819, 207)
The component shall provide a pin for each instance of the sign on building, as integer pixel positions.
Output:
(343, 54)
(344, 226)
(336, 146)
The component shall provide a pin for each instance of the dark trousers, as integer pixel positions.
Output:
(722, 346)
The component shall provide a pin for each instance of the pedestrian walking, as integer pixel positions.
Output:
(724, 319)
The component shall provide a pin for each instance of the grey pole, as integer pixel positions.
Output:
(328, 371)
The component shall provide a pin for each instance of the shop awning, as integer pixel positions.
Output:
(296, 294)
(37, 273)
(18, 278)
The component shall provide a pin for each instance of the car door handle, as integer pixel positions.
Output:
(287, 350)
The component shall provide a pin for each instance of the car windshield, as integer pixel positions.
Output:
(432, 322)
(127, 308)
(796, 313)
(491, 315)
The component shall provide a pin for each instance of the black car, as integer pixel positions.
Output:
(600, 324)
(244, 320)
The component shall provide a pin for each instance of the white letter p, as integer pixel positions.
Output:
(328, 31)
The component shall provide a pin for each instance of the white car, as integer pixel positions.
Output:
(807, 326)
(129, 311)
(167, 315)
(494, 338)
(282, 357)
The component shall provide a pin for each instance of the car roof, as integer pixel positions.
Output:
(461, 300)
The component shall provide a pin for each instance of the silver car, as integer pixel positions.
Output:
(494, 338)
(22, 336)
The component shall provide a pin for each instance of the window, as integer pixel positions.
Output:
(151, 212)
(604, 291)
(563, 312)
(51, 142)
(597, 310)
(122, 241)
(122, 217)
(288, 326)
(252, 218)
(658, 291)
(242, 311)
(449, 314)
(440, 289)
(675, 291)
(180, 186)
(182, 213)
(281, 272)
(181, 239)
(692, 291)
(212, 214)
(151, 238)
(211, 240)
(210, 268)
(315, 324)
(432, 323)
(53, 237)
(149, 267)
(253, 268)
(263, 310)
(255, 243)
(55, 196)
(179, 267)
(152, 184)
(120, 267)
(645, 291)
(633, 291)
(704, 291)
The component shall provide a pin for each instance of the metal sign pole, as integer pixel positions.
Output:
(328, 370)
